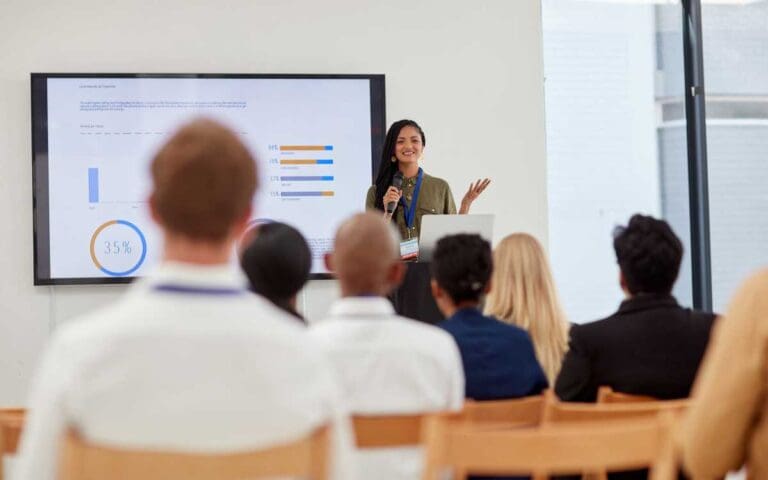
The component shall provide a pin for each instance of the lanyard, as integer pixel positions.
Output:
(410, 212)
(189, 290)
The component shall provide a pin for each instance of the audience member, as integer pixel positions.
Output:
(499, 359)
(727, 424)
(523, 294)
(651, 345)
(277, 262)
(387, 364)
(187, 360)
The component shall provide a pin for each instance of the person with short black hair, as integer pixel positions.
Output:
(277, 262)
(649, 255)
(651, 346)
(499, 359)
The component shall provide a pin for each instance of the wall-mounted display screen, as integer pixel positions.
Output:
(317, 139)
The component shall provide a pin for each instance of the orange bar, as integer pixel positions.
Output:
(327, 194)
(304, 147)
(298, 162)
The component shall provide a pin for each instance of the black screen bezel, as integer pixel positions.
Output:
(39, 125)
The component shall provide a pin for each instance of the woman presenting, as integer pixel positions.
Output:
(421, 194)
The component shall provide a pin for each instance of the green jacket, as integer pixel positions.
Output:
(435, 198)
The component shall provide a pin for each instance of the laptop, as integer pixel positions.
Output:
(435, 227)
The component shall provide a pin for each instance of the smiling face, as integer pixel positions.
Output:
(408, 147)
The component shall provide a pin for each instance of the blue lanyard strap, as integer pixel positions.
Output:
(189, 290)
(410, 211)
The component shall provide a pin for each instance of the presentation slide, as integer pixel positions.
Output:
(312, 138)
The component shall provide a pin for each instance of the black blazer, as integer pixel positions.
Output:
(651, 346)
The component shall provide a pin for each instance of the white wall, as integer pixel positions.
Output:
(469, 72)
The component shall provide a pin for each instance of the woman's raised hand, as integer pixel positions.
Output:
(475, 189)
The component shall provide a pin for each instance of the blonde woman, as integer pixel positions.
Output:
(523, 294)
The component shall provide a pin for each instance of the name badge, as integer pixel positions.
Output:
(409, 249)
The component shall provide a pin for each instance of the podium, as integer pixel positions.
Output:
(413, 298)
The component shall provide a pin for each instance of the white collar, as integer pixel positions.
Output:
(361, 306)
(223, 275)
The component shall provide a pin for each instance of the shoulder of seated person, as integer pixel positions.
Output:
(593, 328)
(755, 285)
(420, 328)
(701, 316)
(508, 326)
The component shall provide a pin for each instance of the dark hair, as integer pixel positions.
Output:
(277, 263)
(203, 181)
(462, 265)
(649, 254)
(387, 167)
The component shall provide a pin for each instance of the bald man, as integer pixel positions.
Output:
(386, 364)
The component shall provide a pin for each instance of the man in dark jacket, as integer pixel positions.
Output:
(651, 346)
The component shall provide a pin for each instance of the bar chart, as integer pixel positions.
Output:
(290, 149)
(93, 185)
(303, 171)
(116, 191)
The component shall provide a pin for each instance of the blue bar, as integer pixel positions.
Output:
(93, 185)
(306, 179)
(325, 161)
(305, 194)
(329, 147)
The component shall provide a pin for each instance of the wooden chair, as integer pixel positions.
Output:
(558, 412)
(307, 458)
(11, 425)
(526, 411)
(606, 394)
(387, 430)
(403, 430)
(553, 449)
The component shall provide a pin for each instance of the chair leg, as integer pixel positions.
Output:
(2, 454)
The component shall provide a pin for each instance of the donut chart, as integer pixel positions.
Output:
(118, 248)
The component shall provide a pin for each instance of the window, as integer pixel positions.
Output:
(616, 139)
(736, 80)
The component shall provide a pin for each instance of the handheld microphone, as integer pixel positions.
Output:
(397, 182)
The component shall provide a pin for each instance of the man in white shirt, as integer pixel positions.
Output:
(386, 363)
(188, 360)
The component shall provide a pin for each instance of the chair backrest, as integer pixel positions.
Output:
(557, 412)
(606, 394)
(387, 430)
(554, 449)
(515, 412)
(11, 425)
(402, 430)
(307, 458)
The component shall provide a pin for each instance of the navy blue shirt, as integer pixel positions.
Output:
(499, 359)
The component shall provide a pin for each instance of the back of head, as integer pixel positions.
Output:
(524, 294)
(203, 179)
(364, 251)
(277, 262)
(462, 266)
(649, 255)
